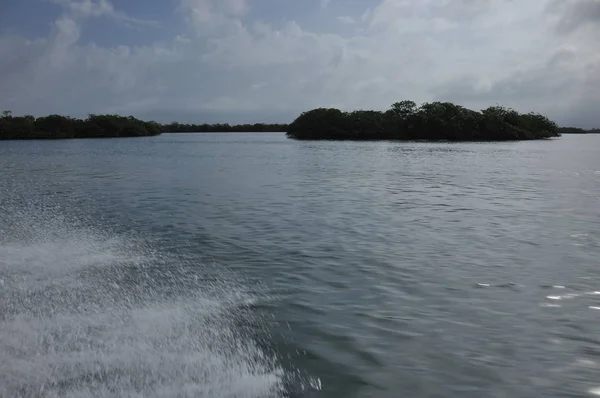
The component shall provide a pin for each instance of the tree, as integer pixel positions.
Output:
(430, 121)
(403, 109)
(57, 126)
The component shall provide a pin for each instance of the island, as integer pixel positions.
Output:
(60, 127)
(175, 127)
(435, 121)
(29, 127)
(577, 130)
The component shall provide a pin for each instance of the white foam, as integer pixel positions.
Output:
(162, 350)
(73, 327)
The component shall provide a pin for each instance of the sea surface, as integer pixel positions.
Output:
(250, 265)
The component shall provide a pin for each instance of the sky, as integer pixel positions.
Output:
(268, 60)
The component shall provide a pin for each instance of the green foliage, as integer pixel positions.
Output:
(328, 121)
(56, 127)
(577, 130)
(97, 126)
(13, 127)
(431, 121)
(175, 127)
(404, 109)
(403, 121)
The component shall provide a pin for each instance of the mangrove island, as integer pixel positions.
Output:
(577, 130)
(436, 121)
(60, 127)
(109, 126)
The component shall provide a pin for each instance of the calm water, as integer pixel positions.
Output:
(249, 265)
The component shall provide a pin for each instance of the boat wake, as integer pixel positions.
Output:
(86, 314)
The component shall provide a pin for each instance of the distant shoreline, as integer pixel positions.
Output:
(576, 130)
(111, 126)
(63, 127)
(404, 121)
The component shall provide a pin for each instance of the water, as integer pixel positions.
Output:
(249, 265)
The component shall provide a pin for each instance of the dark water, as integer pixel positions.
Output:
(248, 265)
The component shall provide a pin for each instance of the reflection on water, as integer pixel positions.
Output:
(248, 265)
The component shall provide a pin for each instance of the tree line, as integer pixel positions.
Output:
(430, 121)
(577, 130)
(403, 121)
(175, 127)
(57, 127)
(100, 126)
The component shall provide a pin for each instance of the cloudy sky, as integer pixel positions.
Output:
(268, 60)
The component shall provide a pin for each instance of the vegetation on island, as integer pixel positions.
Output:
(577, 130)
(175, 127)
(403, 121)
(100, 126)
(430, 121)
(57, 127)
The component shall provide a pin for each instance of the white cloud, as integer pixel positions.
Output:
(100, 8)
(206, 14)
(90, 8)
(475, 52)
(346, 19)
(324, 3)
(182, 39)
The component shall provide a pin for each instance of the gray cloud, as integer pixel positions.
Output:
(563, 85)
(548, 81)
(575, 14)
(475, 52)
(464, 9)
